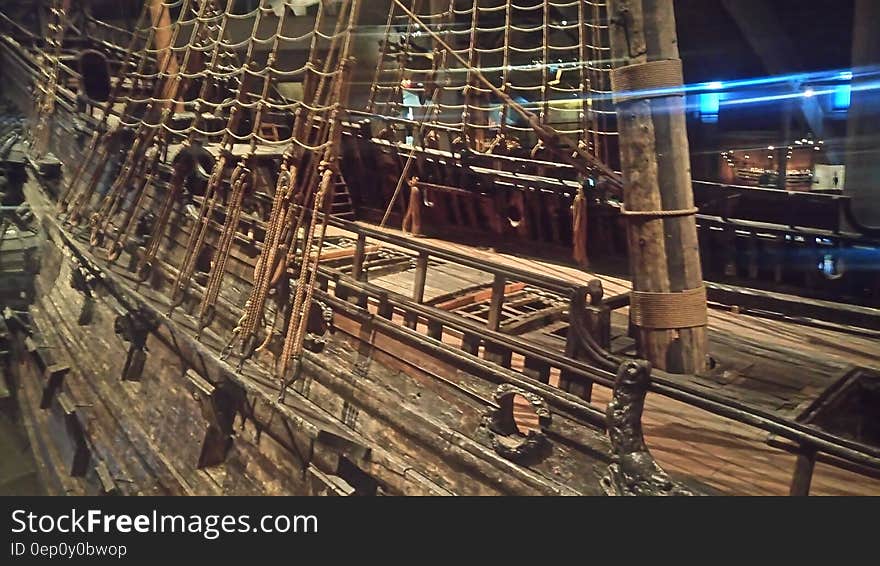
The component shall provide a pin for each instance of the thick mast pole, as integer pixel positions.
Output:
(164, 35)
(863, 137)
(669, 301)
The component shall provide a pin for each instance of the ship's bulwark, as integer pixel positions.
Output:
(397, 432)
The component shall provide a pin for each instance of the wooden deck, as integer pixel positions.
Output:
(727, 455)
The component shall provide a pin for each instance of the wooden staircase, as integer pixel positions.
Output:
(343, 206)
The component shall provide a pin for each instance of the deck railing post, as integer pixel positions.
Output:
(537, 370)
(386, 309)
(418, 287)
(497, 302)
(420, 278)
(357, 268)
(498, 354)
(435, 329)
(567, 381)
(470, 343)
(803, 472)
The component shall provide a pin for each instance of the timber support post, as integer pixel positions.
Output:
(803, 473)
(669, 301)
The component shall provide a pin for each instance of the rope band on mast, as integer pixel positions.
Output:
(658, 213)
(655, 79)
(667, 311)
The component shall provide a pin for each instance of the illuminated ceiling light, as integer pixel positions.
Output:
(809, 93)
(770, 147)
(715, 85)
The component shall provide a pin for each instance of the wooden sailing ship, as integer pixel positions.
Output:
(211, 319)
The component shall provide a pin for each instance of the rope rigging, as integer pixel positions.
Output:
(569, 69)
(307, 175)
(57, 25)
(544, 119)
(147, 136)
(188, 114)
(181, 77)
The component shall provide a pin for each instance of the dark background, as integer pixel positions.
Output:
(713, 47)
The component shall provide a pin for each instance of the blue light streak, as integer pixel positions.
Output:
(773, 88)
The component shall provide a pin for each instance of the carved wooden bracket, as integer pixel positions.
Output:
(135, 327)
(633, 470)
(54, 377)
(68, 428)
(219, 405)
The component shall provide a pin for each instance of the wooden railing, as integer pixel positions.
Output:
(350, 293)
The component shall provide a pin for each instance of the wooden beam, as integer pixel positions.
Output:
(357, 267)
(343, 253)
(420, 278)
(533, 321)
(477, 297)
(162, 41)
(418, 292)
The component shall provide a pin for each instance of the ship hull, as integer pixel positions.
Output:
(159, 433)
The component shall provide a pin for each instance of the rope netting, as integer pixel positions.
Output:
(234, 62)
(186, 77)
(49, 75)
(193, 98)
(550, 56)
(298, 220)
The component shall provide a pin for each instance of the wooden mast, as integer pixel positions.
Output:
(164, 43)
(669, 301)
(863, 135)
